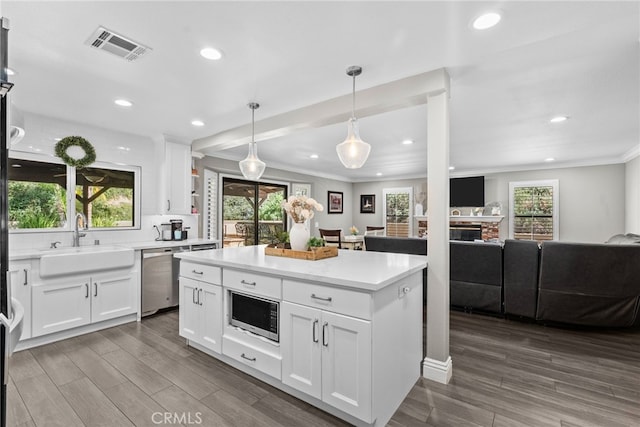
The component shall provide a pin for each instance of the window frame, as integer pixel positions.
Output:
(71, 193)
(554, 184)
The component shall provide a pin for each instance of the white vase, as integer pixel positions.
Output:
(298, 236)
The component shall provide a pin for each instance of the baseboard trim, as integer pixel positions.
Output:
(437, 370)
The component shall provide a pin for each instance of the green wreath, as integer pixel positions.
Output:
(89, 152)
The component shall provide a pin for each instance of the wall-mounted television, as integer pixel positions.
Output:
(466, 192)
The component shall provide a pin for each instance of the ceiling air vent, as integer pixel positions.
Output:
(116, 44)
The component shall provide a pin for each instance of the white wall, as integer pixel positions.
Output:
(40, 134)
(632, 196)
(592, 199)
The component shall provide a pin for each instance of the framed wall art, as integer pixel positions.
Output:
(367, 203)
(334, 202)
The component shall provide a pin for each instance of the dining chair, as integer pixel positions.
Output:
(331, 237)
(375, 231)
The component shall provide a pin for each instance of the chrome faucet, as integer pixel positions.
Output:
(76, 232)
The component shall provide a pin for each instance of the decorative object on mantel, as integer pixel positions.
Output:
(300, 209)
(353, 151)
(313, 254)
(252, 167)
(70, 141)
(455, 212)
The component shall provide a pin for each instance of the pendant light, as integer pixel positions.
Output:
(353, 152)
(252, 167)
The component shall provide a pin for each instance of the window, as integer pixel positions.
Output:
(37, 194)
(40, 196)
(534, 210)
(397, 211)
(106, 197)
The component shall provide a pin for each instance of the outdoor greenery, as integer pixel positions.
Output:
(533, 213)
(240, 208)
(36, 205)
(112, 208)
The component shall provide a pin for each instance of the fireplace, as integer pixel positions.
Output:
(466, 231)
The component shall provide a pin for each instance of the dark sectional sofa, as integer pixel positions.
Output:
(557, 282)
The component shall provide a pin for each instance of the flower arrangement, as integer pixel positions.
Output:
(353, 230)
(300, 208)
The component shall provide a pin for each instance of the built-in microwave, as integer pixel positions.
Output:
(255, 314)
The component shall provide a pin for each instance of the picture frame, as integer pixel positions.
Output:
(368, 203)
(334, 202)
(298, 189)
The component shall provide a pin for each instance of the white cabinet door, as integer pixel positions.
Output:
(21, 290)
(189, 321)
(209, 299)
(61, 306)
(300, 336)
(346, 364)
(113, 295)
(178, 178)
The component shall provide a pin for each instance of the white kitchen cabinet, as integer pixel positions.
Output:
(76, 301)
(21, 290)
(200, 314)
(177, 175)
(327, 356)
(114, 295)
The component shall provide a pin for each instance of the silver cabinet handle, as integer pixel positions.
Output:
(327, 299)
(26, 282)
(325, 334)
(168, 205)
(199, 293)
(86, 285)
(315, 327)
(193, 295)
(197, 272)
(250, 359)
(95, 292)
(244, 282)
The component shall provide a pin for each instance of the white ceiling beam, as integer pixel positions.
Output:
(403, 93)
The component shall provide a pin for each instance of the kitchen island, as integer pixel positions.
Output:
(343, 334)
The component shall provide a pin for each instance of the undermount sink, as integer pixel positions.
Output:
(82, 259)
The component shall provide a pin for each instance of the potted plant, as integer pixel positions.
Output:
(280, 240)
(315, 242)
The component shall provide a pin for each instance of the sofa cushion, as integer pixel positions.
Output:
(521, 268)
(624, 239)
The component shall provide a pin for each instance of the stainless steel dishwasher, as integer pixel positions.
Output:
(160, 271)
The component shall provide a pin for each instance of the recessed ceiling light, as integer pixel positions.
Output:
(407, 142)
(549, 159)
(10, 72)
(122, 148)
(379, 174)
(451, 168)
(211, 53)
(197, 123)
(486, 20)
(57, 139)
(314, 156)
(558, 119)
(123, 103)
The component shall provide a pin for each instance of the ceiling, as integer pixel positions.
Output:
(579, 59)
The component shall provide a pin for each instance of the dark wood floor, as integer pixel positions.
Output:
(506, 373)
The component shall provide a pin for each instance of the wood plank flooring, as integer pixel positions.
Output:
(506, 373)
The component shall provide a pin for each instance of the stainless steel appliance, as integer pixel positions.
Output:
(160, 272)
(160, 278)
(255, 314)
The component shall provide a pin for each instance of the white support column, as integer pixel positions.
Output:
(437, 365)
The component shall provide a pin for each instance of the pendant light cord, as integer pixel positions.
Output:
(253, 125)
(353, 107)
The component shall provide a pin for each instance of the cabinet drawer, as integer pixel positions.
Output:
(204, 273)
(337, 300)
(258, 359)
(253, 283)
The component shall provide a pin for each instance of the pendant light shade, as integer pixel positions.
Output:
(353, 151)
(252, 167)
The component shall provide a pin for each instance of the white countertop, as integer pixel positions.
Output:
(37, 253)
(362, 270)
